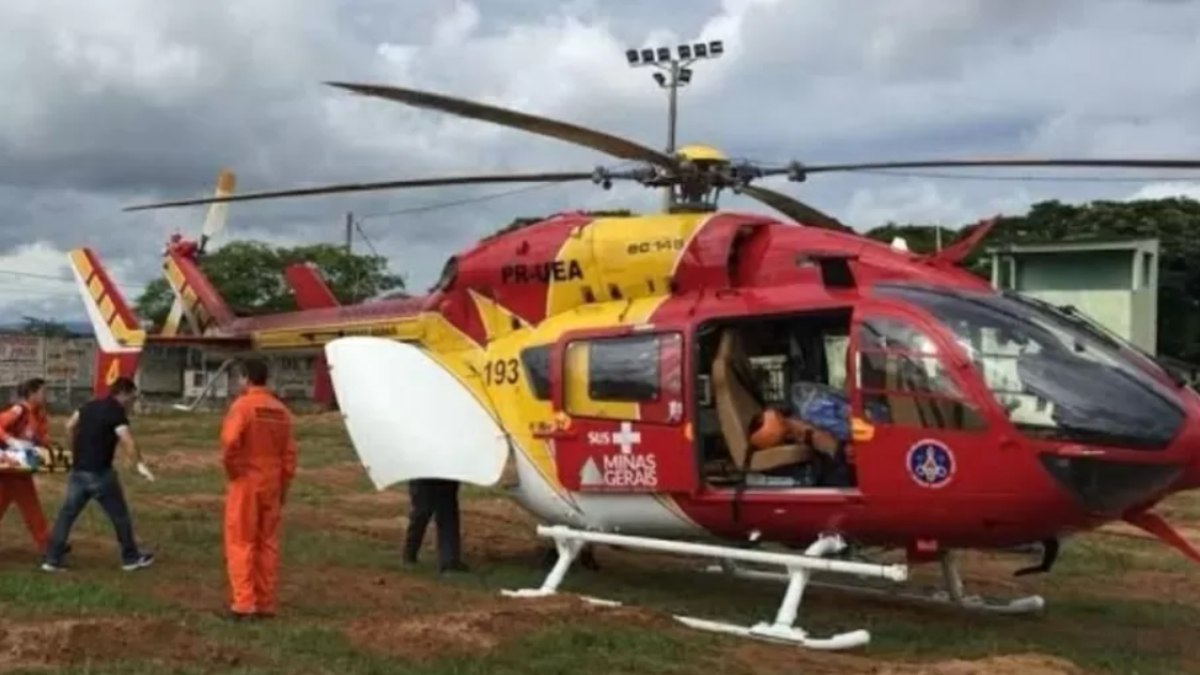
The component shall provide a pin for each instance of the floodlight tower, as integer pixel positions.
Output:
(675, 72)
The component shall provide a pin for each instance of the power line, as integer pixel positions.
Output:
(51, 278)
(34, 275)
(358, 226)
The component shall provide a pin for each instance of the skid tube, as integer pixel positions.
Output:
(798, 568)
(953, 594)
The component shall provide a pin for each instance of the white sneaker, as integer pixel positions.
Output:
(51, 567)
(144, 560)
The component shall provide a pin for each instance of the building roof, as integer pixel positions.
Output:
(1140, 245)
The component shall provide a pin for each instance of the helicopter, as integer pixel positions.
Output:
(708, 383)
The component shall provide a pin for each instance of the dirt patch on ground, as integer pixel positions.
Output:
(1022, 664)
(186, 460)
(189, 502)
(323, 591)
(768, 658)
(208, 594)
(436, 636)
(498, 530)
(340, 475)
(393, 499)
(343, 589)
(47, 643)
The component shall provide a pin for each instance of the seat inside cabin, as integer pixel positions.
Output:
(748, 366)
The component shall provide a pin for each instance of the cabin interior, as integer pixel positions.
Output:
(746, 365)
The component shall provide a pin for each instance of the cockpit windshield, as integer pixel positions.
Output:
(1056, 378)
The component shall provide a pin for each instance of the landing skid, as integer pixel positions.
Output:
(569, 543)
(953, 594)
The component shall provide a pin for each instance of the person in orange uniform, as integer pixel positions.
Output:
(26, 422)
(259, 455)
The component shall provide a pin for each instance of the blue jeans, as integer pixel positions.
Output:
(105, 488)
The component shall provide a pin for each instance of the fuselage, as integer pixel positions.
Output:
(975, 445)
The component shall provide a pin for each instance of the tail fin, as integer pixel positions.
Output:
(312, 292)
(966, 243)
(119, 338)
(201, 302)
(309, 287)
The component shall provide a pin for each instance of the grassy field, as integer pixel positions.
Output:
(1117, 603)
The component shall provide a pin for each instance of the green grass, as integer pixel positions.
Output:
(338, 571)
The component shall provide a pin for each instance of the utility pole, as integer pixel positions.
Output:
(349, 230)
(674, 73)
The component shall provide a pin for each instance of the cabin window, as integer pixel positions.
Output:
(904, 380)
(536, 361)
(628, 377)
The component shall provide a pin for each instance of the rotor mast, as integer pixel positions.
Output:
(674, 72)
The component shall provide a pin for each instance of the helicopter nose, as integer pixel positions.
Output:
(1187, 444)
(1190, 444)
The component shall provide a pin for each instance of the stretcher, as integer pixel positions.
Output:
(28, 458)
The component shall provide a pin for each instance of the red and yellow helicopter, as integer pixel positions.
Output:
(708, 382)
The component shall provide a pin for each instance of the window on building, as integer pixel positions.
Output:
(1147, 270)
(1004, 277)
(633, 377)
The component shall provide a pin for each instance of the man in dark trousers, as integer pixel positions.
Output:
(93, 433)
(434, 499)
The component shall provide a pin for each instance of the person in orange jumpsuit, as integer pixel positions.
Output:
(26, 421)
(259, 455)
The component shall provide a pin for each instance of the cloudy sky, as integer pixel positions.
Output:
(115, 103)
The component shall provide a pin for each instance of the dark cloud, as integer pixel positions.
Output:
(114, 103)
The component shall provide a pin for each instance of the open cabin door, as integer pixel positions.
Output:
(619, 395)
(928, 432)
(409, 417)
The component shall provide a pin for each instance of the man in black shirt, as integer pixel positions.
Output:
(94, 432)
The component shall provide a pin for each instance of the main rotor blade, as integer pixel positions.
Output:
(597, 140)
(794, 209)
(385, 185)
(952, 163)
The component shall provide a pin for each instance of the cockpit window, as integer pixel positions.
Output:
(1054, 379)
(904, 381)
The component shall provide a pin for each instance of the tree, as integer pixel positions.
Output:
(1175, 222)
(250, 276)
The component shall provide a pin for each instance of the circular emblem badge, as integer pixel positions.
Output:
(930, 463)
